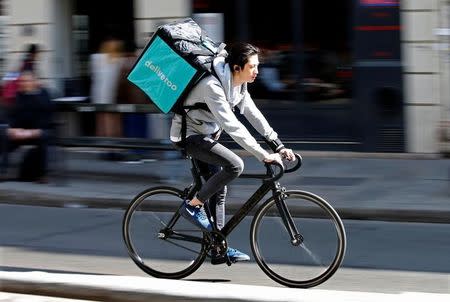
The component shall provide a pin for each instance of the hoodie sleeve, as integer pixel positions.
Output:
(256, 118)
(221, 109)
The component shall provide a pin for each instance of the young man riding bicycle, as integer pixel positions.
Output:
(224, 93)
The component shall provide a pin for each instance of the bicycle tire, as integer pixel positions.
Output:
(159, 257)
(312, 262)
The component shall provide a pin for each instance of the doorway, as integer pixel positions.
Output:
(95, 21)
(92, 23)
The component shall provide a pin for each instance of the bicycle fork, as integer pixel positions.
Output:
(279, 194)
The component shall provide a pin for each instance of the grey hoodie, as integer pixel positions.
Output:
(221, 98)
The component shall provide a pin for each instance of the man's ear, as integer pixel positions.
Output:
(236, 68)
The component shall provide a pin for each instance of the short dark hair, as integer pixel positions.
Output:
(239, 53)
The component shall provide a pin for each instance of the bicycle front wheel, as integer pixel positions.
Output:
(319, 250)
(160, 242)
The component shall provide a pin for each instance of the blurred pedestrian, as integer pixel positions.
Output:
(10, 79)
(30, 122)
(105, 69)
(134, 123)
(31, 58)
(128, 93)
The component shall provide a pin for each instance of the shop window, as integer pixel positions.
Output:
(318, 52)
(320, 55)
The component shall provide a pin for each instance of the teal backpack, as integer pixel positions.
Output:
(178, 55)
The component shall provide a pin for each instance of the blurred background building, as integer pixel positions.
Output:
(357, 75)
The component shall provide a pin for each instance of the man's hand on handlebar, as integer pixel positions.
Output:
(287, 154)
(274, 157)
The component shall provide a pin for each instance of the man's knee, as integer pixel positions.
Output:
(236, 167)
(240, 167)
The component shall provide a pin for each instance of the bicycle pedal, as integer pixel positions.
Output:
(220, 260)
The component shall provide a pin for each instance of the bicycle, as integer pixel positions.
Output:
(290, 222)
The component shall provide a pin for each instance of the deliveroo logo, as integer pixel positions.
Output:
(162, 74)
(156, 69)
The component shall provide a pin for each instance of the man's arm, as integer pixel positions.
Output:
(259, 122)
(220, 108)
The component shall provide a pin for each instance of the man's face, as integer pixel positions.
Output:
(250, 71)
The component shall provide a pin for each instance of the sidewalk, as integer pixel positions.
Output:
(394, 187)
(137, 289)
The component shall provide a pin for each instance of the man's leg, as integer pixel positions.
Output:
(217, 201)
(211, 152)
(205, 149)
(7, 146)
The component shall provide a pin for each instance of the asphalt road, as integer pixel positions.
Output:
(386, 257)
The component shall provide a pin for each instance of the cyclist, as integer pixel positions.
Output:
(224, 93)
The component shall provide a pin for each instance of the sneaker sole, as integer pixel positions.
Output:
(239, 260)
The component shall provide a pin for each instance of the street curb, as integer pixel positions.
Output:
(354, 213)
(143, 289)
(135, 289)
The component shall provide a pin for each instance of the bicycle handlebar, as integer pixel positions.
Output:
(270, 172)
(297, 166)
(275, 177)
(282, 168)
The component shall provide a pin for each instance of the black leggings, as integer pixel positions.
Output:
(219, 166)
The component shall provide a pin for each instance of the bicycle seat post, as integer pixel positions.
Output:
(196, 175)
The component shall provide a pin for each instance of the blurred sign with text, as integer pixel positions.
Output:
(379, 2)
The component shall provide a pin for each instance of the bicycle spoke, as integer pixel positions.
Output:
(314, 257)
(303, 245)
(157, 218)
(179, 245)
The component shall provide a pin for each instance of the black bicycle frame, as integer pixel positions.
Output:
(269, 183)
(236, 218)
(248, 205)
(188, 194)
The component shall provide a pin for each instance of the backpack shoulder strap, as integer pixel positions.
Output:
(196, 106)
(185, 110)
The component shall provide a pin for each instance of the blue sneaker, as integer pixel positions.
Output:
(196, 215)
(232, 256)
(236, 256)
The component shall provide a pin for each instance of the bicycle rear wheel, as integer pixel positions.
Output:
(157, 240)
(309, 263)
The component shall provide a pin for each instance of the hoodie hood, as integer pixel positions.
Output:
(223, 72)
